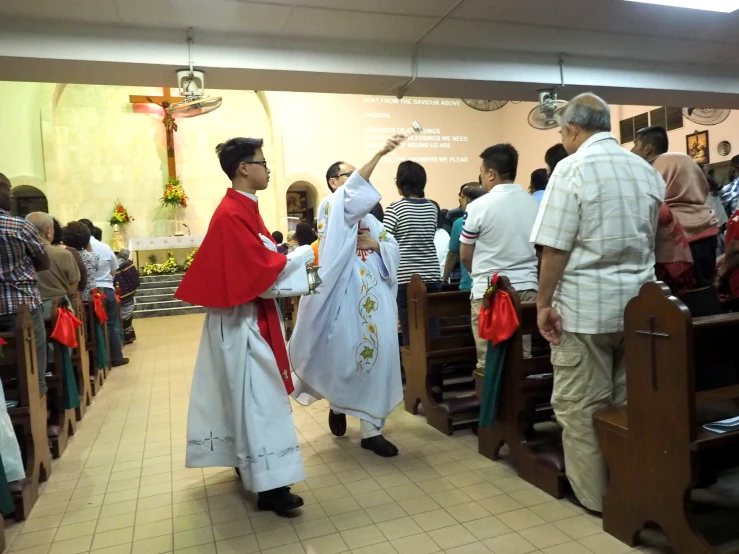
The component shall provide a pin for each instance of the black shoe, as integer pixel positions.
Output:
(337, 423)
(574, 500)
(118, 363)
(380, 446)
(280, 501)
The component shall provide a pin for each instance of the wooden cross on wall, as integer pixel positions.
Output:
(170, 126)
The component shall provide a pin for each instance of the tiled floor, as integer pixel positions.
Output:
(122, 486)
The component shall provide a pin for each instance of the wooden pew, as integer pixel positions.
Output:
(62, 423)
(80, 358)
(438, 372)
(97, 375)
(522, 403)
(19, 370)
(656, 447)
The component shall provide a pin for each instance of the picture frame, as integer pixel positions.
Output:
(697, 147)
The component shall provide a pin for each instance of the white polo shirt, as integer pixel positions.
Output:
(108, 264)
(499, 224)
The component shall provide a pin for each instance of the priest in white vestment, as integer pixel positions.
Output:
(345, 344)
(240, 414)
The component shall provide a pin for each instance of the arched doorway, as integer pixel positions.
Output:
(25, 199)
(302, 201)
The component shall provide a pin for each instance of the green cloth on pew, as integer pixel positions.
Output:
(102, 352)
(7, 507)
(494, 364)
(69, 381)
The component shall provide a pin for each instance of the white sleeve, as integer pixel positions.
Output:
(472, 224)
(293, 281)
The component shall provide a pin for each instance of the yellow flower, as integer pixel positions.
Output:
(372, 329)
(361, 272)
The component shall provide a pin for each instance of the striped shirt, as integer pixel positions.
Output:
(413, 222)
(601, 206)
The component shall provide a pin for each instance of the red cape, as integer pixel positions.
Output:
(232, 265)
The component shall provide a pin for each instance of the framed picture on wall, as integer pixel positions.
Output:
(697, 147)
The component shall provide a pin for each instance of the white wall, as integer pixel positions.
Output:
(20, 130)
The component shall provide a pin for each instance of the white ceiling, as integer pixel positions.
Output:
(604, 28)
(636, 53)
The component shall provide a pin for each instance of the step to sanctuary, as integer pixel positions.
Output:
(155, 298)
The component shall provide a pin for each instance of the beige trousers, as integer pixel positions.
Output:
(481, 344)
(589, 374)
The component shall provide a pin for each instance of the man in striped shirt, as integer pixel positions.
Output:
(495, 235)
(413, 221)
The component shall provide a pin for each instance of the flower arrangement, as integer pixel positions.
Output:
(167, 268)
(189, 259)
(120, 215)
(174, 194)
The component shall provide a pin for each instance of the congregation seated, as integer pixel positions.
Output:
(127, 282)
(728, 266)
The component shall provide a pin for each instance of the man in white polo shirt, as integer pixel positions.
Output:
(107, 269)
(495, 236)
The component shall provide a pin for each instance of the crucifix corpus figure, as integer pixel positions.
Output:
(170, 125)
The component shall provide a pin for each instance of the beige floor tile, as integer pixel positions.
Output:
(499, 504)
(328, 544)
(405, 492)
(340, 506)
(190, 507)
(27, 540)
(435, 519)
(115, 522)
(451, 537)
(554, 511)
(315, 528)
(295, 548)
(206, 548)
(531, 497)
(237, 545)
(154, 501)
(118, 549)
(118, 508)
(153, 545)
(153, 514)
(603, 543)
(193, 537)
(521, 519)
(385, 512)
(578, 527)
(267, 521)
(363, 486)
(467, 512)
(331, 493)
(567, 548)
(481, 490)
(155, 529)
(277, 537)
(544, 536)
(403, 527)
(351, 520)
(451, 498)
(487, 527)
(232, 529)
(48, 510)
(372, 499)
(512, 543)
(418, 505)
(191, 521)
(76, 530)
(76, 545)
(380, 548)
(363, 536)
(311, 512)
(112, 538)
(512, 484)
(41, 523)
(416, 544)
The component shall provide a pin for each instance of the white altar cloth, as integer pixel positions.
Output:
(164, 243)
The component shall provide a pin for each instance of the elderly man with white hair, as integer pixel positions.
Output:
(597, 225)
(63, 274)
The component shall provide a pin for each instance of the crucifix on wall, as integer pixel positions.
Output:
(170, 126)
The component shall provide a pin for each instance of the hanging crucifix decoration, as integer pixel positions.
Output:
(170, 126)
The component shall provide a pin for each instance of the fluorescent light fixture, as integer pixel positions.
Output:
(725, 6)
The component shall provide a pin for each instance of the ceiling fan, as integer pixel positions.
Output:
(706, 116)
(485, 105)
(192, 87)
(545, 116)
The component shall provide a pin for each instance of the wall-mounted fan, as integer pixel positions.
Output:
(546, 115)
(485, 105)
(192, 87)
(706, 116)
